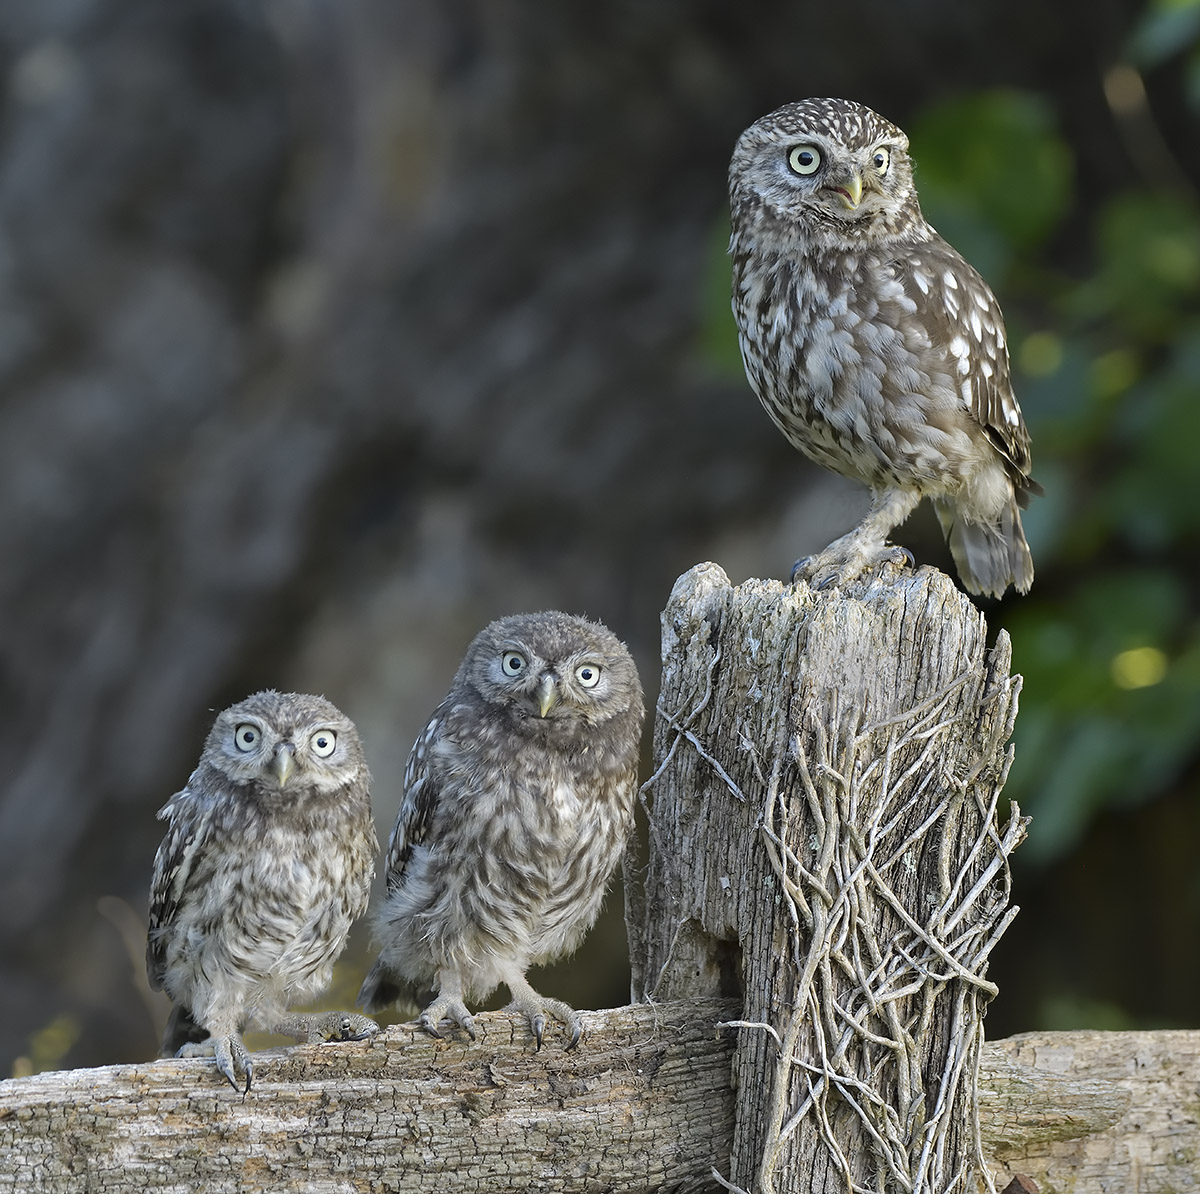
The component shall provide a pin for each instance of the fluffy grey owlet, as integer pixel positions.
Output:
(518, 801)
(267, 862)
(875, 348)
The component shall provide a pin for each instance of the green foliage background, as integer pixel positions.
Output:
(1102, 299)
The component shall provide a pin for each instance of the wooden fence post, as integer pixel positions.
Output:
(828, 845)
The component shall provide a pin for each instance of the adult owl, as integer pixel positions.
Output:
(518, 801)
(267, 862)
(875, 348)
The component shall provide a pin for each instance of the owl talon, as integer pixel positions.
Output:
(857, 553)
(535, 1008)
(327, 1026)
(428, 1025)
(446, 1007)
(347, 1026)
(229, 1054)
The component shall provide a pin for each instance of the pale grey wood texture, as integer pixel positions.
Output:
(827, 843)
(641, 1105)
(1152, 1079)
(644, 1104)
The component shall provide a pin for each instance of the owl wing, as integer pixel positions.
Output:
(422, 785)
(190, 826)
(952, 297)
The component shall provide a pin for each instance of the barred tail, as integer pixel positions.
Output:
(989, 556)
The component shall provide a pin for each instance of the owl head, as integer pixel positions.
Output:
(285, 743)
(825, 162)
(551, 670)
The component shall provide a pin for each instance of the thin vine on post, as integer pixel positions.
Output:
(826, 842)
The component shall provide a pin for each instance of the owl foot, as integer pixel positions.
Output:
(446, 1006)
(231, 1056)
(534, 1007)
(325, 1026)
(865, 548)
(838, 566)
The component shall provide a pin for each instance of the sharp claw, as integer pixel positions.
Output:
(346, 1028)
(576, 1033)
(538, 1024)
(446, 1007)
(230, 1055)
(798, 569)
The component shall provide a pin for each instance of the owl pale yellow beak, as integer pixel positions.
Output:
(547, 694)
(284, 762)
(849, 191)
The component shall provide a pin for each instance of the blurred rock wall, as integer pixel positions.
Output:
(331, 329)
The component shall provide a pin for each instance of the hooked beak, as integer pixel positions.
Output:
(547, 693)
(849, 191)
(284, 762)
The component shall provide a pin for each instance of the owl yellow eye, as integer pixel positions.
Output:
(513, 663)
(588, 674)
(322, 743)
(881, 160)
(804, 159)
(246, 737)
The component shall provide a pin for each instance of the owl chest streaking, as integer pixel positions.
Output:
(280, 945)
(518, 801)
(875, 348)
(266, 864)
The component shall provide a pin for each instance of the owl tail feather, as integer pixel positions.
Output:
(181, 1030)
(381, 990)
(989, 556)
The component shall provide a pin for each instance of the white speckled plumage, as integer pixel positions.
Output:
(875, 348)
(518, 802)
(267, 862)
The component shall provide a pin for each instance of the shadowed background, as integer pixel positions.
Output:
(332, 329)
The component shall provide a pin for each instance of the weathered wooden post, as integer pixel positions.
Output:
(827, 844)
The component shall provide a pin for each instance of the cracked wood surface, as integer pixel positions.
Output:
(829, 841)
(640, 1105)
(644, 1104)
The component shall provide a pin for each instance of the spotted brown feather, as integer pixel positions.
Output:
(518, 801)
(875, 348)
(266, 863)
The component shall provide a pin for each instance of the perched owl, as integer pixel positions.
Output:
(267, 862)
(518, 801)
(875, 348)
